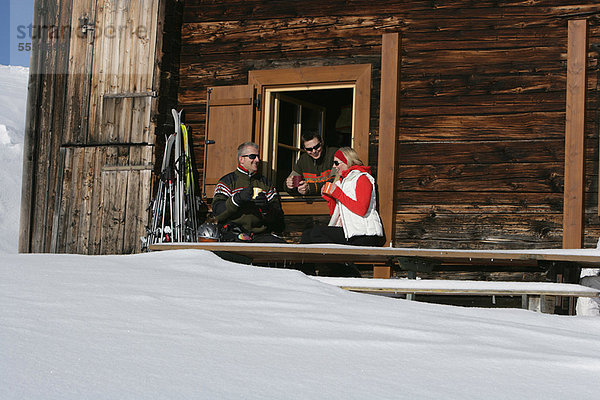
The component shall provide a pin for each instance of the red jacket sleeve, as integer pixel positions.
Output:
(330, 203)
(360, 206)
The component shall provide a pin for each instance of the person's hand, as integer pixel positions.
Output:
(261, 201)
(289, 182)
(243, 196)
(303, 187)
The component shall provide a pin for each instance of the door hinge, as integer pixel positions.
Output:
(258, 102)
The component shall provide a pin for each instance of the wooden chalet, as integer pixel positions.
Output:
(480, 119)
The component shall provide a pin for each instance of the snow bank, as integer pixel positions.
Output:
(188, 325)
(13, 98)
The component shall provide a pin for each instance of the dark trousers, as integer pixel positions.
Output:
(335, 234)
(267, 238)
(236, 234)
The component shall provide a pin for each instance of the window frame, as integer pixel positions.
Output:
(357, 76)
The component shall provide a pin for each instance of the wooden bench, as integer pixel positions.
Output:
(408, 259)
(537, 296)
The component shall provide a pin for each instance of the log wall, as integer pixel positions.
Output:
(482, 121)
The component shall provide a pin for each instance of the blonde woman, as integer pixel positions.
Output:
(352, 205)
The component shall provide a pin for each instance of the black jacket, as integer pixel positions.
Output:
(248, 215)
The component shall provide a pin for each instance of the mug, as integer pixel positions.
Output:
(257, 191)
(328, 187)
(296, 179)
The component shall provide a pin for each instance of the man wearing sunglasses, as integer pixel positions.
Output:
(245, 202)
(313, 167)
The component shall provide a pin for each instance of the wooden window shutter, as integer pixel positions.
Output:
(230, 121)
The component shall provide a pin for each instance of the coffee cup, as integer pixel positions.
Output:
(328, 188)
(257, 191)
(296, 179)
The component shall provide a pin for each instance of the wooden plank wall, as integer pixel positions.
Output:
(90, 139)
(124, 63)
(482, 121)
(102, 199)
(48, 83)
(168, 80)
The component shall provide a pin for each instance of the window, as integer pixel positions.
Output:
(350, 85)
(290, 113)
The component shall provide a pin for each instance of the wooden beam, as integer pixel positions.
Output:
(464, 287)
(311, 252)
(29, 142)
(382, 272)
(388, 131)
(303, 207)
(574, 135)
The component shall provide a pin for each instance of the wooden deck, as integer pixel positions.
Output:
(448, 287)
(259, 252)
(535, 296)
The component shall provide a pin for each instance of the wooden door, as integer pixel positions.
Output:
(124, 71)
(101, 201)
(124, 198)
(230, 123)
(105, 160)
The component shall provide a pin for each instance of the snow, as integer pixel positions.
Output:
(188, 325)
(13, 97)
(457, 286)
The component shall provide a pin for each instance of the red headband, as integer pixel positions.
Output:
(341, 157)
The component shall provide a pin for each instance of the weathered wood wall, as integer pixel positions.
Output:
(89, 143)
(102, 194)
(482, 107)
(169, 75)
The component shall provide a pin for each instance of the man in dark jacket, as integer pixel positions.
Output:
(313, 166)
(246, 203)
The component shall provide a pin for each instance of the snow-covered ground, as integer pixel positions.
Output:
(188, 325)
(13, 97)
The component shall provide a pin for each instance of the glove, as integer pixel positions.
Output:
(243, 196)
(261, 201)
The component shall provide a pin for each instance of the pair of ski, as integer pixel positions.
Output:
(174, 208)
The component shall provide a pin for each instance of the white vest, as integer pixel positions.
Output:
(355, 225)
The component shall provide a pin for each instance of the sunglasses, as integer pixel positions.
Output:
(251, 156)
(315, 147)
(336, 162)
